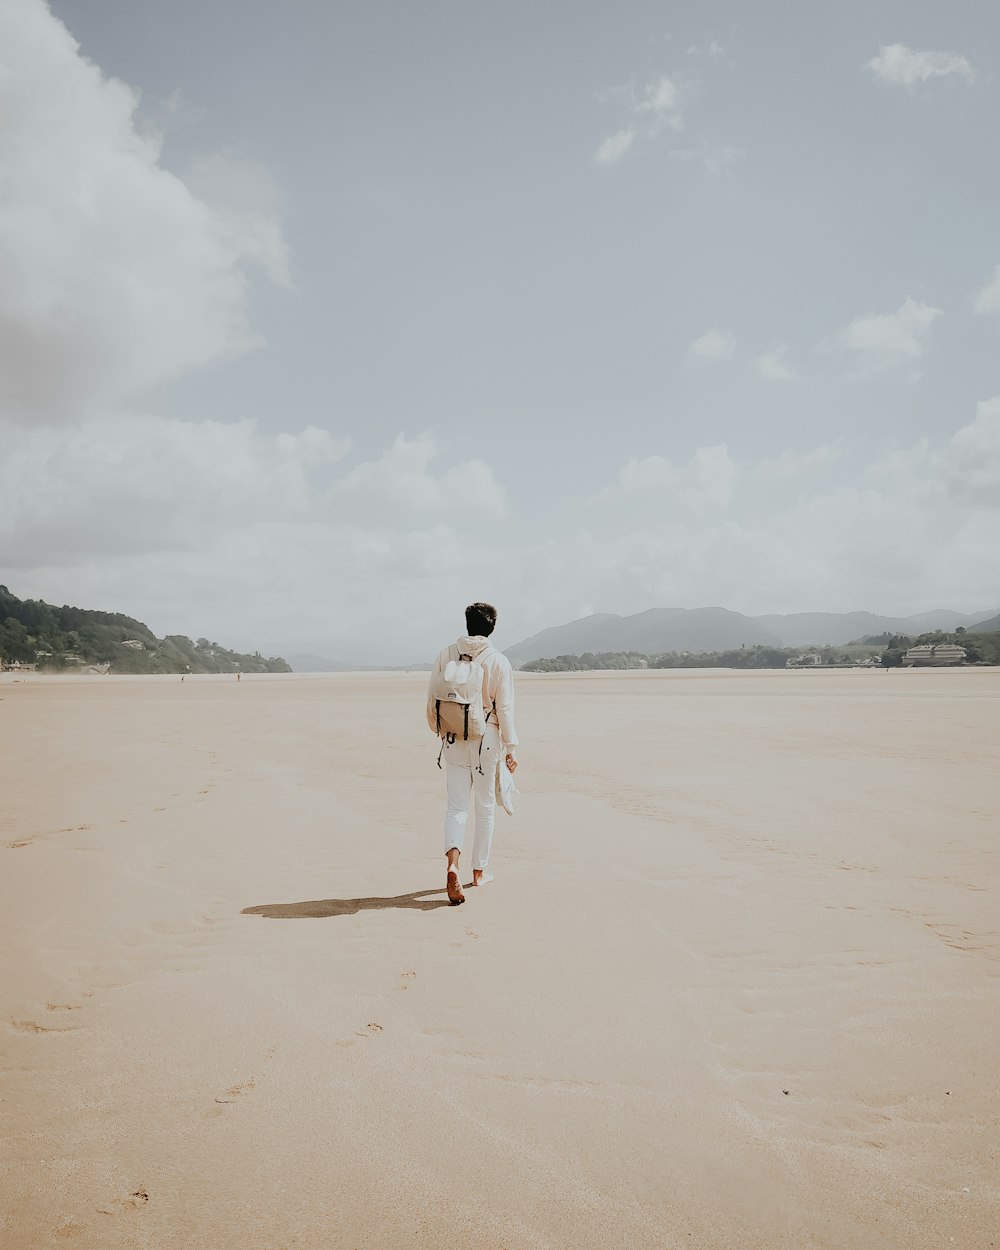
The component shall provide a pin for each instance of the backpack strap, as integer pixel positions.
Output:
(450, 739)
(493, 712)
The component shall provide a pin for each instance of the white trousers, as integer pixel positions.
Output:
(464, 761)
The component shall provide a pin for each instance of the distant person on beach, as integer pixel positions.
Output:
(471, 758)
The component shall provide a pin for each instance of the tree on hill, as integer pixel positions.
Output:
(34, 632)
(889, 649)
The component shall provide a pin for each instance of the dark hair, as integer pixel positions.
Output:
(480, 619)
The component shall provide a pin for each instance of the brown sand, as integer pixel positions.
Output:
(736, 983)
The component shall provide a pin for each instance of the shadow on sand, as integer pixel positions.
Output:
(318, 908)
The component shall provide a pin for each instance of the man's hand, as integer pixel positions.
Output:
(511, 763)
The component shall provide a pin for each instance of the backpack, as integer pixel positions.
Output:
(456, 709)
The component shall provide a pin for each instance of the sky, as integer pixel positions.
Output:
(319, 321)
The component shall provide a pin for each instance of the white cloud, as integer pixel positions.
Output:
(907, 528)
(988, 299)
(114, 276)
(657, 106)
(774, 367)
(700, 488)
(277, 541)
(973, 457)
(224, 529)
(247, 203)
(714, 345)
(661, 99)
(615, 146)
(155, 116)
(880, 341)
(903, 66)
(146, 483)
(401, 485)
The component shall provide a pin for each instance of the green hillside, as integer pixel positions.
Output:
(743, 657)
(72, 639)
(885, 649)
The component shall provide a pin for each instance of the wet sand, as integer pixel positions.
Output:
(736, 985)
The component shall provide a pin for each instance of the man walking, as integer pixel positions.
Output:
(471, 763)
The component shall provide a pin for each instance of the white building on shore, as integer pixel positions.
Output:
(937, 654)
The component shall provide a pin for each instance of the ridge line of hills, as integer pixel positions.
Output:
(77, 639)
(74, 640)
(660, 630)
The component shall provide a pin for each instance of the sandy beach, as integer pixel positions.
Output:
(736, 985)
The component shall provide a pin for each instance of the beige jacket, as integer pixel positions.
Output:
(498, 685)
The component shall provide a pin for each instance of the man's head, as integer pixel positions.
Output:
(480, 619)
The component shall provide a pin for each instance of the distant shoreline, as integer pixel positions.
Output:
(644, 674)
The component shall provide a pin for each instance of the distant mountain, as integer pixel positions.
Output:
(944, 618)
(589, 633)
(651, 632)
(833, 629)
(680, 629)
(718, 629)
(986, 627)
(68, 639)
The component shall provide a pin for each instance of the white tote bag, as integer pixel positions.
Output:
(507, 792)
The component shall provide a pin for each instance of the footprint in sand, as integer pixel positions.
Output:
(30, 1026)
(373, 1030)
(14, 846)
(62, 1006)
(472, 933)
(234, 1091)
(407, 974)
(136, 1199)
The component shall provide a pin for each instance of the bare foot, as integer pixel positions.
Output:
(455, 895)
(481, 876)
